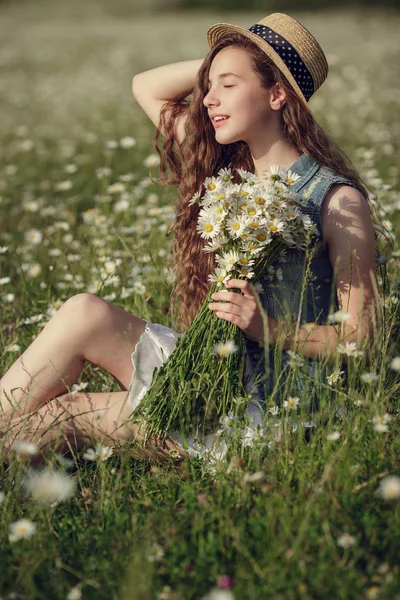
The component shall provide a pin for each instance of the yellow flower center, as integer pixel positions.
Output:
(211, 186)
(260, 201)
(251, 212)
(221, 196)
(244, 193)
(208, 228)
(261, 237)
(254, 224)
(236, 226)
(273, 228)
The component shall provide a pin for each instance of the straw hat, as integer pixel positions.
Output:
(289, 45)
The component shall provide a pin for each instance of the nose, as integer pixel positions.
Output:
(210, 99)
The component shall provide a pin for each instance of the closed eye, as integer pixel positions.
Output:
(228, 86)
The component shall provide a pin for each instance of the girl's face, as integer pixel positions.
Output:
(235, 92)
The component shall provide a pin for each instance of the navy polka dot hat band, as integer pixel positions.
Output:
(289, 45)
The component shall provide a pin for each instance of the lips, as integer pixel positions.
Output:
(217, 122)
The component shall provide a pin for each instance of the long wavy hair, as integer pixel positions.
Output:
(199, 156)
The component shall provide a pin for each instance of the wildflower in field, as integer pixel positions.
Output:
(224, 582)
(395, 363)
(332, 437)
(291, 402)
(70, 169)
(68, 463)
(346, 541)
(20, 530)
(64, 186)
(49, 487)
(4, 280)
(13, 348)
(274, 410)
(369, 377)
(253, 477)
(2, 497)
(32, 320)
(139, 288)
(75, 593)
(33, 237)
(32, 270)
(103, 172)
(111, 144)
(25, 448)
(228, 422)
(295, 360)
(165, 593)
(251, 435)
(127, 142)
(202, 498)
(224, 349)
(380, 423)
(3, 249)
(153, 160)
(349, 349)
(100, 453)
(389, 488)
(116, 188)
(334, 377)
(338, 317)
(156, 553)
(9, 297)
(373, 592)
(218, 594)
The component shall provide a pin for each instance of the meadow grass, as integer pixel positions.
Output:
(301, 514)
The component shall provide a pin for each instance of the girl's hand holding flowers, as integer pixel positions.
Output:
(243, 310)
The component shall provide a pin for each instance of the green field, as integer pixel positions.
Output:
(285, 519)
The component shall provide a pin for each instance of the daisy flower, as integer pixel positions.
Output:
(349, 349)
(213, 184)
(247, 177)
(291, 177)
(338, 317)
(236, 226)
(220, 276)
(228, 260)
(20, 530)
(225, 349)
(389, 488)
(334, 377)
(207, 226)
(291, 402)
(225, 174)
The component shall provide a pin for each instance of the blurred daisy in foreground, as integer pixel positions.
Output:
(224, 349)
(389, 488)
(334, 377)
(101, 453)
(25, 448)
(20, 530)
(346, 541)
(291, 402)
(395, 364)
(380, 423)
(49, 487)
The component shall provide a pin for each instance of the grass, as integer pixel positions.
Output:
(271, 518)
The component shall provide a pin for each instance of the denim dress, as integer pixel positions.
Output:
(304, 292)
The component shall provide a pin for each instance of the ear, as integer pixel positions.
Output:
(277, 98)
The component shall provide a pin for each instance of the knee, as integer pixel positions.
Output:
(85, 311)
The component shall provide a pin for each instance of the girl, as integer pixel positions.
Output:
(249, 109)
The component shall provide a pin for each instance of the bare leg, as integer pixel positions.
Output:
(86, 328)
(72, 421)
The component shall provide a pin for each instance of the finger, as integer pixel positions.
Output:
(234, 297)
(242, 284)
(228, 308)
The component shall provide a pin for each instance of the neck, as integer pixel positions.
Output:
(272, 149)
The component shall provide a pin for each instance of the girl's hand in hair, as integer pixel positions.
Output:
(242, 310)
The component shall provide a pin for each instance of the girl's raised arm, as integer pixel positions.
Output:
(153, 88)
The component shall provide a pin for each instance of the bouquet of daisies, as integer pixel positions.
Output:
(248, 225)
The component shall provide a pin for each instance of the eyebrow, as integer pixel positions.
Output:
(222, 75)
